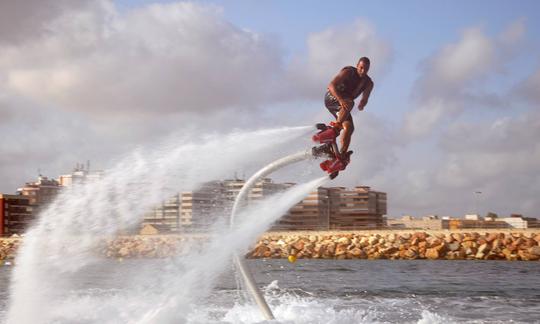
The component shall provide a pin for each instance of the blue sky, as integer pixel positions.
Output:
(416, 29)
(454, 110)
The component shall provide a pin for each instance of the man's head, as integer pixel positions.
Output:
(363, 66)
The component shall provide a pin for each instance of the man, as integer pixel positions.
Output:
(342, 90)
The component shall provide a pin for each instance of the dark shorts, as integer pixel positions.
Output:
(331, 103)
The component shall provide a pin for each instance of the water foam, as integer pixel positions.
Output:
(201, 271)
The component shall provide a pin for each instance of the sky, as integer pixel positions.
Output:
(454, 110)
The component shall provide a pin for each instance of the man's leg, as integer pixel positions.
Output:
(348, 129)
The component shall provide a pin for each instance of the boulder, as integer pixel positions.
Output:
(492, 237)
(524, 255)
(340, 249)
(535, 250)
(364, 241)
(480, 255)
(516, 235)
(454, 246)
(373, 240)
(420, 235)
(299, 245)
(483, 248)
(123, 252)
(411, 254)
(432, 254)
(457, 237)
(391, 238)
(471, 251)
(389, 250)
(358, 253)
(469, 244)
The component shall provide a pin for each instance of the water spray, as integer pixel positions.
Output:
(238, 260)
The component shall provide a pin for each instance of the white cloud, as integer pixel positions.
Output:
(499, 158)
(470, 58)
(155, 59)
(21, 20)
(421, 121)
(452, 79)
(528, 89)
(330, 50)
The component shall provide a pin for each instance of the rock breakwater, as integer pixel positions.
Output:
(441, 245)
(8, 248)
(403, 246)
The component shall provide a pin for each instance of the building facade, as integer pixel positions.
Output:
(357, 208)
(165, 216)
(326, 208)
(15, 214)
(199, 209)
(40, 193)
(336, 208)
(312, 213)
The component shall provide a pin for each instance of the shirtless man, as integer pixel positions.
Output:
(342, 90)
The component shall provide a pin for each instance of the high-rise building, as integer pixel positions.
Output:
(15, 214)
(40, 193)
(200, 208)
(336, 208)
(166, 216)
(326, 208)
(312, 213)
(356, 208)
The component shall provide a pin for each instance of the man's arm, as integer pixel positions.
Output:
(365, 96)
(335, 87)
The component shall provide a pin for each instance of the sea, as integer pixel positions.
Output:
(333, 291)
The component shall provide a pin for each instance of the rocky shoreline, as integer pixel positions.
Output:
(394, 245)
(512, 246)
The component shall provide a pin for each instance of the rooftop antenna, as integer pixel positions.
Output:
(39, 172)
(87, 165)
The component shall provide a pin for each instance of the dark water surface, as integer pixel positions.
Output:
(354, 291)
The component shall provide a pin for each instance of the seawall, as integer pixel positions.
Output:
(402, 245)
(497, 244)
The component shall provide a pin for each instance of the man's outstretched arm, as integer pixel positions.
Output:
(365, 96)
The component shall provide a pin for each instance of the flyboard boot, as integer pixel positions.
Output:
(336, 161)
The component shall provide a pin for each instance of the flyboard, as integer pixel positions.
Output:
(334, 163)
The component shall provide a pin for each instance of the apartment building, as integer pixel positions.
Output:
(356, 208)
(312, 213)
(199, 209)
(165, 216)
(15, 214)
(40, 193)
(336, 208)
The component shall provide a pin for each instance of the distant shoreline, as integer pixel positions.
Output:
(402, 244)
